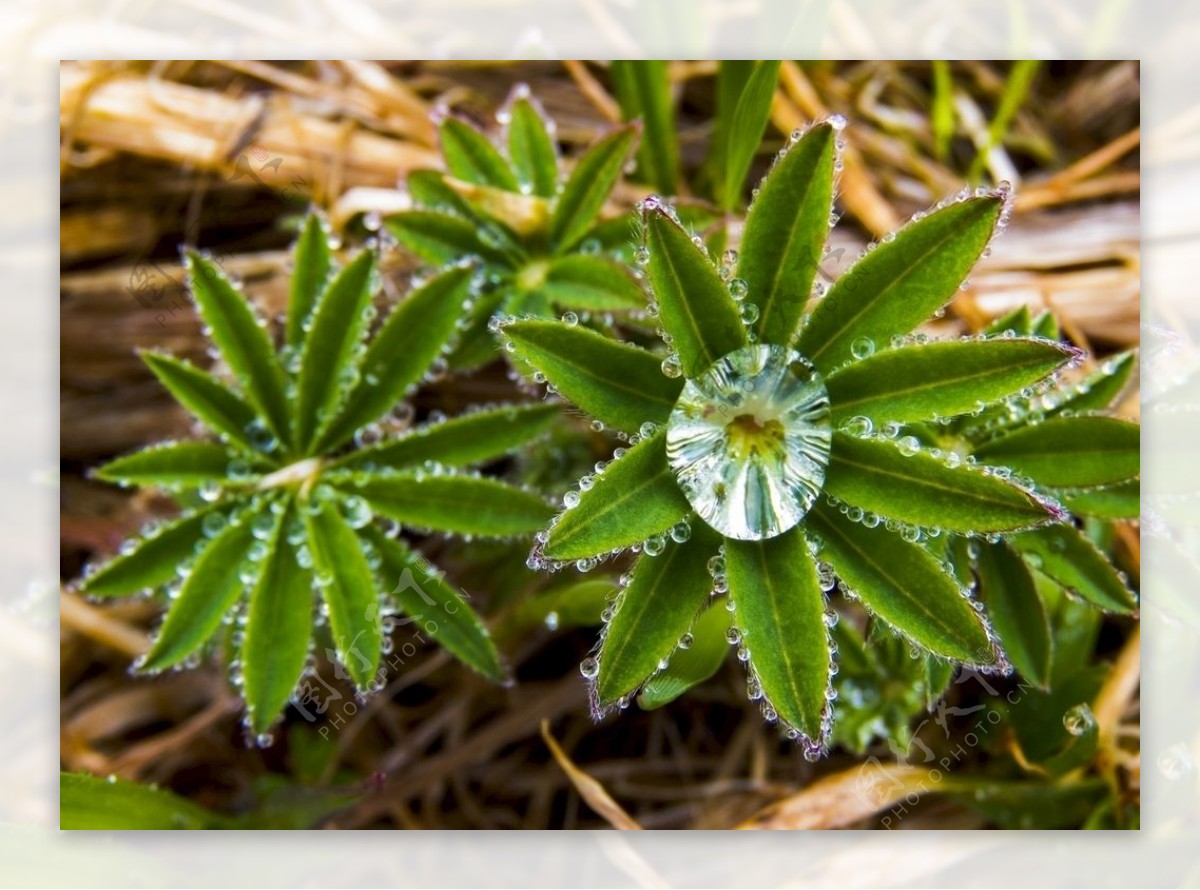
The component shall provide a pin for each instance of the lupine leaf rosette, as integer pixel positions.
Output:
(766, 455)
(282, 539)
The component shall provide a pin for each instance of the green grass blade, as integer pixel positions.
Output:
(210, 401)
(635, 498)
(691, 666)
(781, 617)
(620, 384)
(209, 592)
(242, 340)
(904, 584)
(414, 334)
(941, 114)
(531, 149)
(172, 465)
(1010, 595)
(312, 267)
(471, 157)
(591, 284)
(278, 627)
(1016, 89)
(331, 347)
(643, 89)
(1065, 555)
(900, 283)
(1070, 452)
(473, 438)
(587, 188)
(940, 379)
(746, 130)
(921, 490)
(785, 233)
(658, 607)
(466, 505)
(348, 589)
(155, 559)
(439, 610)
(694, 304)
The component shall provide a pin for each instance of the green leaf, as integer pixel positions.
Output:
(531, 149)
(347, 588)
(901, 282)
(618, 383)
(1063, 553)
(1046, 326)
(1018, 321)
(571, 605)
(212, 402)
(643, 89)
(746, 129)
(785, 233)
(781, 616)
(635, 498)
(339, 323)
(413, 336)
(588, 186)
(278, 628)
(1069, 452)
(155, 559)
(242, 340)
(656, 609)
(904, 584)
(921, 490)
(439, 610)
(471, 157)
(90, 803)
(209, 592)
(692, 666)
(694, 304)
(940, 379)
(312, 266)
(938, 674)
(440, 238)
(591, 283)
(1101, 388)
(466, 505)
(473, 438)
(173, 465)
(1120, 501)
(1010, 595)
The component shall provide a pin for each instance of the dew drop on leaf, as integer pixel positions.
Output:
(749, 441)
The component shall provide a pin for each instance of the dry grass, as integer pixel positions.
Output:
(150, 157)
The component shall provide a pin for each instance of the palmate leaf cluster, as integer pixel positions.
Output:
(292, 510)
(918, 469)
(533, 227)
(965, 487)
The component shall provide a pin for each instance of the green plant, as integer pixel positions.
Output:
(285, 502)
(768, 455)
(532, 226)
(1060, 440)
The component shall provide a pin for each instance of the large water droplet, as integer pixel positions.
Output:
(748, 441)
